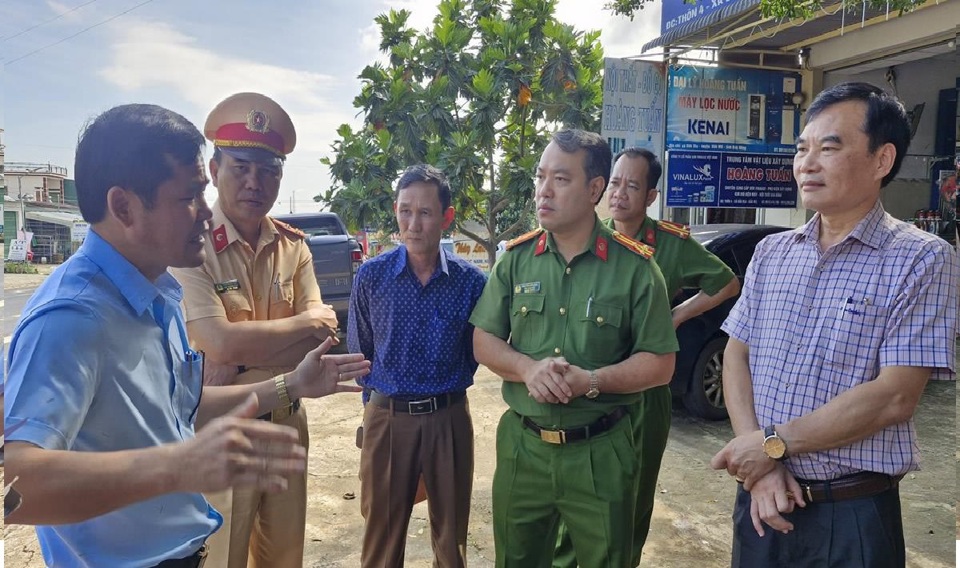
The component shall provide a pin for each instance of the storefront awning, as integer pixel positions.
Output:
(732, 9)
(64, 218)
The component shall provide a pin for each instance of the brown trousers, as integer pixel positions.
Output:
(262, 530)
(397, 449)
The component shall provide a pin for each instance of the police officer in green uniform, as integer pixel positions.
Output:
(575, 319)
(684, 263)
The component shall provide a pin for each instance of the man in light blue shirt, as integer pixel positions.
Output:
(103, 385)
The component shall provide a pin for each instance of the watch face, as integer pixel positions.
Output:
(774, 447)
(592, 393)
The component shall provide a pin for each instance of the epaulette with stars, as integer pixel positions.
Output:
(524, 238)
(634, 246)
(675, 229)
(289, 229)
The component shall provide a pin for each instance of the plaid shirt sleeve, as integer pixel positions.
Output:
(923, 321)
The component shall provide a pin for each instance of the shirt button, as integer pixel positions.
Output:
(258, 297)
(556, 350)
(568, 270)
(563, 311)
(599, 319)
(523, 310)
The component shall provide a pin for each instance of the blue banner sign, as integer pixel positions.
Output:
(677, 12)
(730, 179)
(732, 110)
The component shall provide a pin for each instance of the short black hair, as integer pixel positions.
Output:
(428, 174)
(132, 146)
(886, 119)
(599, 156)
(654, 168)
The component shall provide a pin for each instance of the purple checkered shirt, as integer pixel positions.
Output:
(819, 324)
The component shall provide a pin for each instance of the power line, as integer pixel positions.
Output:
(110, 19)
(53, 19)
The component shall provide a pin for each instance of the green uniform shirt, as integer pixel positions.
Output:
(606, 305)
(684, 262)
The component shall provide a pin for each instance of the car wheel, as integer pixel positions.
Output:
(704, 398)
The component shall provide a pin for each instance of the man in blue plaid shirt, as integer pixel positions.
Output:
(840, 325)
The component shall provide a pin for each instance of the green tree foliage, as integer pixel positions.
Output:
(780, 9)
(476, 95)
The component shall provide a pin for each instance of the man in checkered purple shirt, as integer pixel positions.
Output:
(839, 327)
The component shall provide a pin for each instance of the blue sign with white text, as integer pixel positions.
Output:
(731, 110)
(677, 12)
(729, 179)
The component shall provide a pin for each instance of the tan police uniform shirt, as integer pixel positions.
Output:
(239, 283)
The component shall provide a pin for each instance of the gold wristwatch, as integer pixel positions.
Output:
(773, 444)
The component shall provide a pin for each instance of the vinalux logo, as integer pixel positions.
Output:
(703, 174)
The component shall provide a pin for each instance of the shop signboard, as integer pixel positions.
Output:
(679, 12)
(18, 250)
(634, 95)
(78, 231)
(729, 179)
(732, 110)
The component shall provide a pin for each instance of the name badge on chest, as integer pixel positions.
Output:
(527, 288)
(222, 287)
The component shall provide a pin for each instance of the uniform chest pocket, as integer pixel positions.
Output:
(527, 325)
(237, 306)
(281, 299)
(855, 336)
(598, 333)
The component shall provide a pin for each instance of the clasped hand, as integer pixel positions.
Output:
(554, 380)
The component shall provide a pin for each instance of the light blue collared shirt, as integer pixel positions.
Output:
(99, 362)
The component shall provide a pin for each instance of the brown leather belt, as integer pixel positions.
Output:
(281, 413)
(856, 486)
(418, 405)
(195, 560)
(601, 425)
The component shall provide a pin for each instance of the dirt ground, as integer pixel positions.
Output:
(691, 524)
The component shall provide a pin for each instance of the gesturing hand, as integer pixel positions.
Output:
(237, 451)
(320, 374)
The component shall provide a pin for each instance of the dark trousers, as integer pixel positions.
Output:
(397, 449)
(858, 533)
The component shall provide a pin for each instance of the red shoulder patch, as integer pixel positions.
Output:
(524, 238)
(675, 229)
(633, 246)
(219, 238)
(289, 229)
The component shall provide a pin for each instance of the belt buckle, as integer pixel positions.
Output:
(553, 436)
(424, 406)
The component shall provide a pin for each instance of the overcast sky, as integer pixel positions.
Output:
(187, 55)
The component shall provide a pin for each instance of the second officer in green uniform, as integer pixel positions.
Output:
(575, 319)
(684, 264)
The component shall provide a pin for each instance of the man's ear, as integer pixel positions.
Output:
(122, 204)
(652, 196)
(214, 170)
(886, 156)
(597, 186)
(448, 216)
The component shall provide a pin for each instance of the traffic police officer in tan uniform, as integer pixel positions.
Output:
(575, 319)
(255, 308)
(684, 264)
